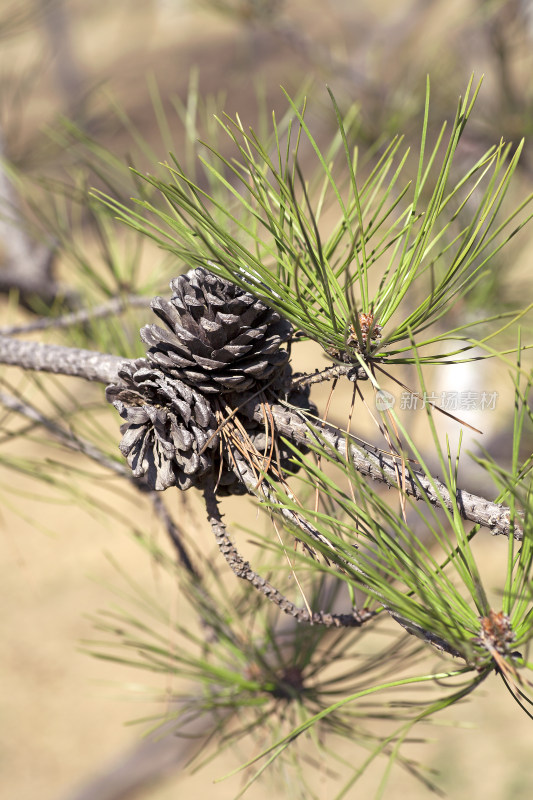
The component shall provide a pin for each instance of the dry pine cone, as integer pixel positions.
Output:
(220, 344)
(218, 338)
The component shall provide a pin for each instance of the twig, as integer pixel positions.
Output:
(242, 569)
(349, 371)
(174, 534)
(427, 636)
(116, 306)
(168, 749)
(66, 438)
(238, 565)
(72, 442)
(247, 477)
(28, 266)
(380, 467)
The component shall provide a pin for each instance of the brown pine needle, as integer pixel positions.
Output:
(304, 598)
(325, 417)
(393, 451)
(348, 427)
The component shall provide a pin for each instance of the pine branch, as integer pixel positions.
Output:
(66, 437)
(260, 490)
(174, 534)
(88, 364)
(350, 371)
(380, 467)
(237, 565)
(366, 459)
(427, 636)
(28, 266)
(169, 749)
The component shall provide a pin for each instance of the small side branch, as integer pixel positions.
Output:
(78, 445)
(242, 569)
(83, 315)
(353, 373)
(174, 534)
(298, 522)
(28, 266)
(67, 438)
(427, 636)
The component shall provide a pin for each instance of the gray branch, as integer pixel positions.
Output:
(378, 466)
(28, 265)
(356, 618)
(350, 371)
(75, 443)
(163, 752)
(88, 364)
(366, 459)
(242, 569)
(239, 566)
(66, 437)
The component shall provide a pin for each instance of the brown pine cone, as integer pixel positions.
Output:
(167, 425)
(218, 338)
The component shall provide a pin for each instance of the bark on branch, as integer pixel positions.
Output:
(88, 364)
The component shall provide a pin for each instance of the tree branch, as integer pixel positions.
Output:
(350, 371)
(242, 569)
(28, 265)
(88, 364)
(366, 459)
(378, 466)
(174, 534)
(67, 438)
(75, 443)
(239, 566)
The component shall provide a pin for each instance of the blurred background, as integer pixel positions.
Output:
(116, 69)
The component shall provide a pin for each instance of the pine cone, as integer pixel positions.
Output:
(221, 341)
(219, 338)
(167, 425)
